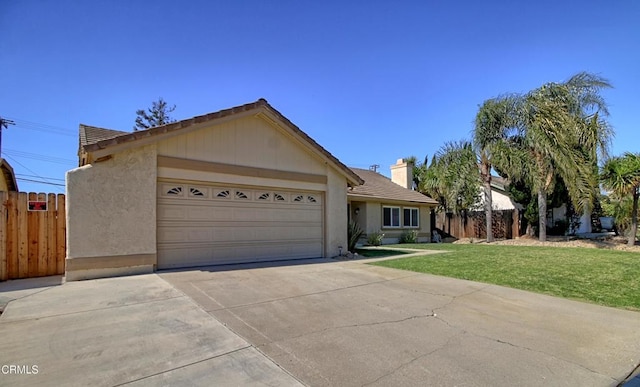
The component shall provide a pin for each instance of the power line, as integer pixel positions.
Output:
(22, 165)
(40, 181)
(35, 156)
(48, 178)
(24, 124)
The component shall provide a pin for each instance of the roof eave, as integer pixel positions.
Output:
(152, 135)
(390, 200)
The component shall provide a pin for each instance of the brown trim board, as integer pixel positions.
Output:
(229, 169)
(110, 262)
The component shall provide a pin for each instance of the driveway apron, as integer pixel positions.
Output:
(135, 330)
(332, 323)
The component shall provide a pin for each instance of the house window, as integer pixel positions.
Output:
(298, 198)
(264, 196)
(391, 216)
(410, 217)
(311, 199)
(279, 198)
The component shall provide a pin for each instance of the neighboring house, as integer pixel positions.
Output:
(7, 177)
(389, 205)
(500, 199)
(239, 185)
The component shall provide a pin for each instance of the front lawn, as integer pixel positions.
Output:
(605, 277)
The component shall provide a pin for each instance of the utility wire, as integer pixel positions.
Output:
(24, 124)
(22, 165)
(48, 178)
(40, 181)
(35, 156)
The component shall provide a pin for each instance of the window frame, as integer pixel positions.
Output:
(391, 208)
(411, 218)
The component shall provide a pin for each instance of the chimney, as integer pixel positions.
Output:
(402, 174)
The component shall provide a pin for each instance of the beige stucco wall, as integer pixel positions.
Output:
(369, 219)
(335, 213)
(111, 211)
(254, 142)
(111, 205)
(249, 141)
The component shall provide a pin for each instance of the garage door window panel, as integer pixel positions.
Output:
(197, 192)
(223, 194)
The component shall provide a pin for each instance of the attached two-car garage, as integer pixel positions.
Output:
(239, 185)
(203, 224)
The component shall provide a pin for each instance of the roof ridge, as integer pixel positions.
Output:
(88, 144)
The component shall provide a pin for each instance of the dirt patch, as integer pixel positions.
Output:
(614, 243)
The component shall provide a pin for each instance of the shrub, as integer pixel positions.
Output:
(409, 236)
(375, 238)
(354, 232)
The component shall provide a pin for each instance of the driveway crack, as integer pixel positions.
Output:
(408, 363)
(357, 325)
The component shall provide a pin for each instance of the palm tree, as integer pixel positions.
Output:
(622, 176)
(493, 120)
(452, 177)
(419, 169)
(561, 128)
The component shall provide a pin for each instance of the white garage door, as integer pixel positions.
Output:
(201, 224)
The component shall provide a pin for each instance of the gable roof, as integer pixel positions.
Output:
(100, 139)
(93, 134)
(9, 176)
(377, 186)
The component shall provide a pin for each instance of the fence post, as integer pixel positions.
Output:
(22, 235)
(51, 234)
(61, 234)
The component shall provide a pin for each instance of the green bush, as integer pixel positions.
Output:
(409, 236)
(375, 238)
(354, 232)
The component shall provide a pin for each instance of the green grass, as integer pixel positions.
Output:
(378, 253)
(605, 277)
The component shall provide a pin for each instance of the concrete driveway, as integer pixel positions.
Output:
(136, 331)
(352, 324)
(317, 323)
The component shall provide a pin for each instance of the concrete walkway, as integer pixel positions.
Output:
(120, 331)
(351, 324)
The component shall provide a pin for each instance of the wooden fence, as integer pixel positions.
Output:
(472, 224)
(32, 238)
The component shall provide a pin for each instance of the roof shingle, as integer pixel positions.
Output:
(92, 134)
(381, 187)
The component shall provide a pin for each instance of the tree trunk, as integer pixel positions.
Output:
(488, 200)
(529, 232)
(542, 215)
(488, 211)
(634, 217)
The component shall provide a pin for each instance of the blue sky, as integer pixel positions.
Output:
(371, 81)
